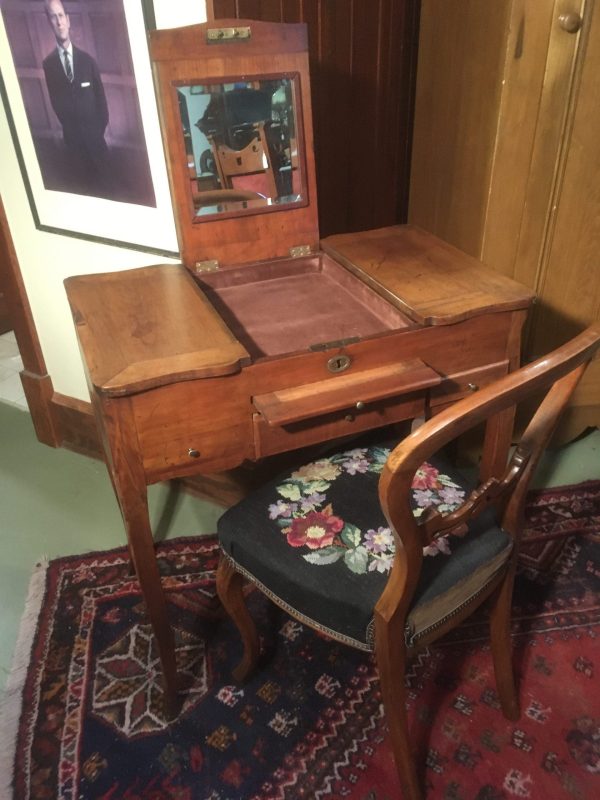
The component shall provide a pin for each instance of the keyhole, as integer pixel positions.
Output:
(338, 363)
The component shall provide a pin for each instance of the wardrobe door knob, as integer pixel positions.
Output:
(571, 23)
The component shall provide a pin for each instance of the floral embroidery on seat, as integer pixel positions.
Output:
(308, 520)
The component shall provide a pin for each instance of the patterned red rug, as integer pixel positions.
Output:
(85, 704)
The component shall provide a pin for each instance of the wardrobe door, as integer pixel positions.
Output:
(568, 280)
(506, 157)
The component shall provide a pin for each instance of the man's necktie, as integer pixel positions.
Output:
(68, 68)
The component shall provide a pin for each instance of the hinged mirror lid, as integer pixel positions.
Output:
(236, 118)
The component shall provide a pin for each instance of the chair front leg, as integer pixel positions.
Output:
(500, 617)
(390, 653)
(231, 595)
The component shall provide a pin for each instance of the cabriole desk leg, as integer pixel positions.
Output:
(125, 466)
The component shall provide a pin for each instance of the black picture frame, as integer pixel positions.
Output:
(135, 210)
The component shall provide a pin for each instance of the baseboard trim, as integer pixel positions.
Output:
(38, 393)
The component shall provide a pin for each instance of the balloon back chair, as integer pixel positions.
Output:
(387, 548)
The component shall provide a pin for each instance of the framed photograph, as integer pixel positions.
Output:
(76, 83)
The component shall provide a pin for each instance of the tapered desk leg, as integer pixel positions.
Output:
(498, 437)
(499, 428)
(127, 474)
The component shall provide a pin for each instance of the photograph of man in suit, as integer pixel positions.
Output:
(78, 99)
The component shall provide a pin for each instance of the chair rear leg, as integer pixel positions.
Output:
(229, 589)
(391, 664)
(500, 617)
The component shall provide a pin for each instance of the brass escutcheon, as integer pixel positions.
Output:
(338, 363)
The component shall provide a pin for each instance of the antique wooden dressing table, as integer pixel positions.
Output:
(264, 340)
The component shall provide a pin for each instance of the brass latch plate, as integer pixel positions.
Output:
(214, 35)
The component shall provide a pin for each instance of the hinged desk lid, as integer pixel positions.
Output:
(429, 280)
(236, 117)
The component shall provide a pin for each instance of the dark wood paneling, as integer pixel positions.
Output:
(33, 92)
(18, 30)
(363, 56)
(105, 34)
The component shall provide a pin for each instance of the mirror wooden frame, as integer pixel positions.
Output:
(193, 54)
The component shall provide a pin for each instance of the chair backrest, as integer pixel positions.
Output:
(253, 159)
(561, 370)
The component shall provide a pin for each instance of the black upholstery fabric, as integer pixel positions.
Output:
(338, 593)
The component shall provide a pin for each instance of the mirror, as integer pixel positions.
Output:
(241, 145)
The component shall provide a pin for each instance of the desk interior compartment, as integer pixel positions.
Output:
(286, 306)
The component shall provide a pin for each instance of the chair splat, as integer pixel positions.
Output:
(493, 492)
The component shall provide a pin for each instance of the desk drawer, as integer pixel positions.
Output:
(345, 392)
(272, 439)
(460, 384)
(340, 406)
(193, 427)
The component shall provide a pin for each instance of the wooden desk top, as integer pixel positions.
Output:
(430, 281)
(142, 328)
(148, 327)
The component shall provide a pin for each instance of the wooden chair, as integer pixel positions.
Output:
(320, 540)
(252, 160)
(228, 199)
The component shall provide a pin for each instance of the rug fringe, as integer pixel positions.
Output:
(11, 700)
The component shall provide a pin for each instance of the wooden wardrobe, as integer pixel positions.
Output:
(506, 156)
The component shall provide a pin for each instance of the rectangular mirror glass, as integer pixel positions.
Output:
(241, 145)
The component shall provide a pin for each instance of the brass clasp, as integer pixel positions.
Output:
(215, 35)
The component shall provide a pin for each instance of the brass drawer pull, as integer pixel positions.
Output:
(359, 405)
(192, 453)
(472, 387)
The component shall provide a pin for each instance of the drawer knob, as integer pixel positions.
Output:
(472, 387)
(359, 405)
(193, 453)
(349, 418)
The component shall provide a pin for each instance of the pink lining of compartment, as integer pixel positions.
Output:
(283, 307)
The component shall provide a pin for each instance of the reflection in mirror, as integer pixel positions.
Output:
(241, 145)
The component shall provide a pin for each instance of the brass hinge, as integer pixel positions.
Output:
(207, 266)
(300, 250)
(214, 35)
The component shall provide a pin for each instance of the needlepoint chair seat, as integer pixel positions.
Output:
(316, 541)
